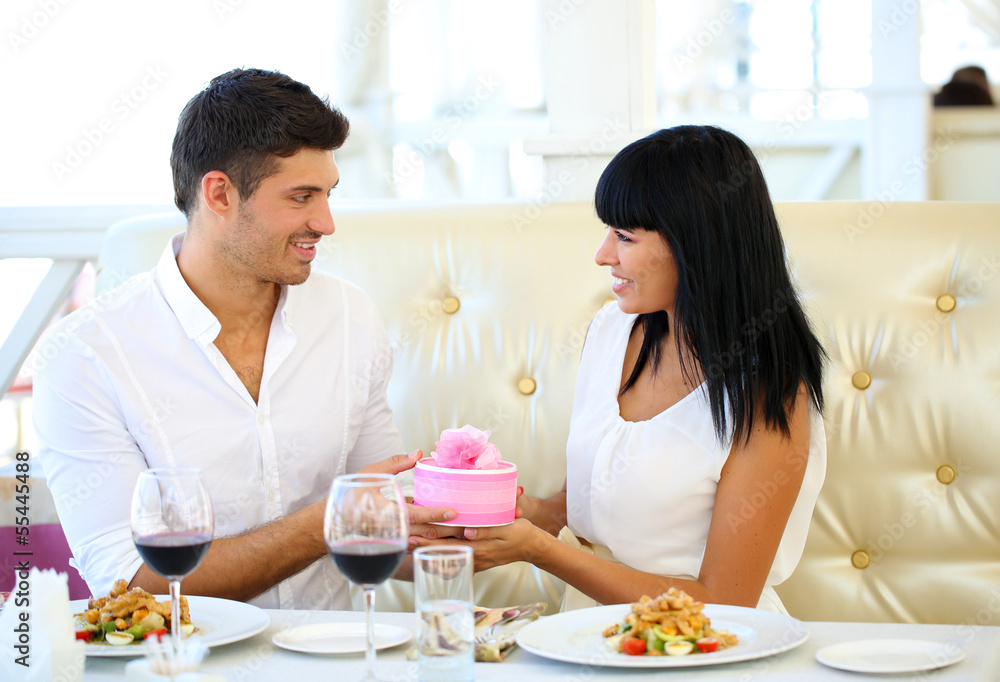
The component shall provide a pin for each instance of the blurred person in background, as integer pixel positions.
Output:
(968, 87)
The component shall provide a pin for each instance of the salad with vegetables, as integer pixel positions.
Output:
(127, 617)
(672, 624)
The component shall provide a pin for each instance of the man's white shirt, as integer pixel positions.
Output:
(133, 381)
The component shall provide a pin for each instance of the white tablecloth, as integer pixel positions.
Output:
(258, 659)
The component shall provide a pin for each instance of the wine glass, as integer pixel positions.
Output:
(172, 524)
(366, 533)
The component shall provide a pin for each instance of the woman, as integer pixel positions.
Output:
(696, 447)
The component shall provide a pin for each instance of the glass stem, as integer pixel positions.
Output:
(175, 614)
(370, 633)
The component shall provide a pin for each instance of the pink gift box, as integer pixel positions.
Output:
(480, 497)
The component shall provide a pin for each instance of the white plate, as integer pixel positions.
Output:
(339, 638)
(889, 655)
(219, 621)
(575, 637)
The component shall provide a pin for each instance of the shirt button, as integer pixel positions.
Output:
(261, 419)
(270, 496)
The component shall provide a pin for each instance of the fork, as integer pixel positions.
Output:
(487, 634)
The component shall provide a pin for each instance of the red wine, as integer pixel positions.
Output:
(367, 562)
(173, 555)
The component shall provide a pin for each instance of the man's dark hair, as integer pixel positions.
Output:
(702, 190)
(241, 123)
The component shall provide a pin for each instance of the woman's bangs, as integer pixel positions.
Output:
(625, 197)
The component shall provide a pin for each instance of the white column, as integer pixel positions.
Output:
(601, 89)
(361, 91)
(895, 163)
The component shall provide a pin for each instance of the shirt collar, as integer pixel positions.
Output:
(194, 316)
(286, 306)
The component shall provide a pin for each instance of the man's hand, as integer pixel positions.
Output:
(420, 517)
(396, 464)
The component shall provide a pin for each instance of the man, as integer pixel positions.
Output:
(229, 356)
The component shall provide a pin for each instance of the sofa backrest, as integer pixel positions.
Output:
(487, 306)
(906, 300)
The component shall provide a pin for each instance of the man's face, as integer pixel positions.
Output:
(275, 235)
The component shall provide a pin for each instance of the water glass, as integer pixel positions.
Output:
(442, 580)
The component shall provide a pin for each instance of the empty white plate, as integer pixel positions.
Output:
(889, 655)
(339, 638)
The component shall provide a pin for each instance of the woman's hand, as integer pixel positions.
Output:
(497, 546)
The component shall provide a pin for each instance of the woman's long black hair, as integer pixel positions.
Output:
(737, 313)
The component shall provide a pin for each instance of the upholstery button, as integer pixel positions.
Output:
(861, 380)
(946, 303)
(946, 473)
(451, 305)
(860, 559)
(527, 386)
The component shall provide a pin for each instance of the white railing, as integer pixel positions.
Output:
(71, 236)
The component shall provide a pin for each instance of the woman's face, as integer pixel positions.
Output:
(643, 271)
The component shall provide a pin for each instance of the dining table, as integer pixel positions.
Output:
(258, 658)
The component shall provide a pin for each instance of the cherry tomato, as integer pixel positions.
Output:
(633, 646)
(707, 645)
(85, 635)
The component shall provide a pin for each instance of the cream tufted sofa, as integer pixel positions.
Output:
(487, 307)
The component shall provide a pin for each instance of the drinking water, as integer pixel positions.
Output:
(446, 629)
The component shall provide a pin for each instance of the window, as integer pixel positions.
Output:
(953, 37)
(446, 86)
(765, 58)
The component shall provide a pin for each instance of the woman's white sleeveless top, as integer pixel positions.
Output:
(646, 490)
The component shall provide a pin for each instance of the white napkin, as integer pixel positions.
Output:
(138, 671)
(37, 643)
